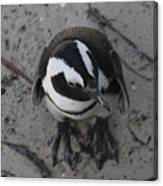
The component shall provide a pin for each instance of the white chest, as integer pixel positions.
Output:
(61, 106)
(80, 114)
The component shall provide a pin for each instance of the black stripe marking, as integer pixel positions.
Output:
(61, 86)
(70, 53)
(94, 63)
(72, 112)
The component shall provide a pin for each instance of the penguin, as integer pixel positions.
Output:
(80, 77)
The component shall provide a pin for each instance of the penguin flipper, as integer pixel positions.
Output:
(37, 92)
(117, 66)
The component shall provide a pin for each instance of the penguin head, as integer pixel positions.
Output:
(73, 72)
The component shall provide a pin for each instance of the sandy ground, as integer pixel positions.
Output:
(26, 30)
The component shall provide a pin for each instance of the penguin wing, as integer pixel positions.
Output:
(118, 75)
(37, 91)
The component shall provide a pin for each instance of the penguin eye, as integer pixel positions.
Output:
(103, 91)
(71, 84)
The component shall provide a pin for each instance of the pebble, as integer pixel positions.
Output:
(3, 90)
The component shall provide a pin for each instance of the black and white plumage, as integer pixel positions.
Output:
(80, 76)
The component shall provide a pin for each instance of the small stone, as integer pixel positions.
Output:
(3, 90)
(12, 131)
(13, 10)
(22, 29)
(133, 86)
(7, 46)
(143, 117)
(6, 120)
(19, 99)
(5, 17)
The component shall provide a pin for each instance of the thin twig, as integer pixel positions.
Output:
(15, 69)
(103, 21)
(24, 151)
(135, 137)
(135, 72)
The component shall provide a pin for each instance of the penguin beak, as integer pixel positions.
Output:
(93, 91)
(99, 98)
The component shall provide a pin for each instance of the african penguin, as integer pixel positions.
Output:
(80, 76)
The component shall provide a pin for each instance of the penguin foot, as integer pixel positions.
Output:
(98, 143)
(64, 131)
(70, 156)
(56, 143)
(103, 145)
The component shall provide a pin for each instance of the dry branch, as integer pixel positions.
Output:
(16, 70)
(135, 72)
(135, 137)
(24, 151)
(94, 14)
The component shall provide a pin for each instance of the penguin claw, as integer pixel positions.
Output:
(71, 159)
(100, 159)
(55, 160)
(117, 156)
(105, 154)
(112, 147)
(113, 154)
(56, 143)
